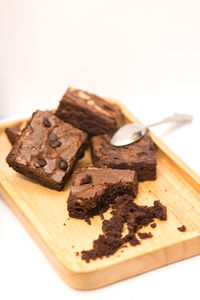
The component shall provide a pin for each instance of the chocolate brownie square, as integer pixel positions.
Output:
(138, 156)
(93, 189)
(47, 150)
(88, 112)
(14, 132)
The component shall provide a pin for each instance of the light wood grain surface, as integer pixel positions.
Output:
(44, 212)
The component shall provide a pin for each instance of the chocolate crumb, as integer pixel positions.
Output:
(182, 228)
(64, 224)
(153, 225)
(165, 190)
(77, 253)
(72, 246)
(101, 215)
(88, 221)
(115, 224)
(103, 246)
(160, 211)
(131, 238)
(145, 235)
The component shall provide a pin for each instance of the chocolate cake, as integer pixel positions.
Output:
(47, 150)
(93, 189)
(88, 112)
(138, 156)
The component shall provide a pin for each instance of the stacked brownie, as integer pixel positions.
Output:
(88, 112)
(48, 146)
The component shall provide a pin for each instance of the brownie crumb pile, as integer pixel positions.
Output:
(124, 211)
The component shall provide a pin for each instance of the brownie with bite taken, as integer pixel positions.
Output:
(93, 189)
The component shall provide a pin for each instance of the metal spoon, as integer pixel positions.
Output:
(131, 133)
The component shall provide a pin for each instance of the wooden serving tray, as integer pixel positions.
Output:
(43, 212)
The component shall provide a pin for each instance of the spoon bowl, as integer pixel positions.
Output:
(131, 133)
(128, 134)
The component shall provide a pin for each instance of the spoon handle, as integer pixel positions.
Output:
(176, 118)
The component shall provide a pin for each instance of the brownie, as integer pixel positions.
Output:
(14, 132)
(47, 150)
(125, 213)
(93, 189)
(88, 112)
(138, 156)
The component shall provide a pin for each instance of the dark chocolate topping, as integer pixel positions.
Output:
(41, 162)
(46, 122)
(63, 165)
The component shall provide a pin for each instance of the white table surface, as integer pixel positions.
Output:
(144, 53)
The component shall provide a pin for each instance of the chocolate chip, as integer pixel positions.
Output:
(86, 180)
(55, 144)
(46, 122)
(41, 162)
(63, 165)
(53, 137)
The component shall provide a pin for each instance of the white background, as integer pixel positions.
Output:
(144, 53)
